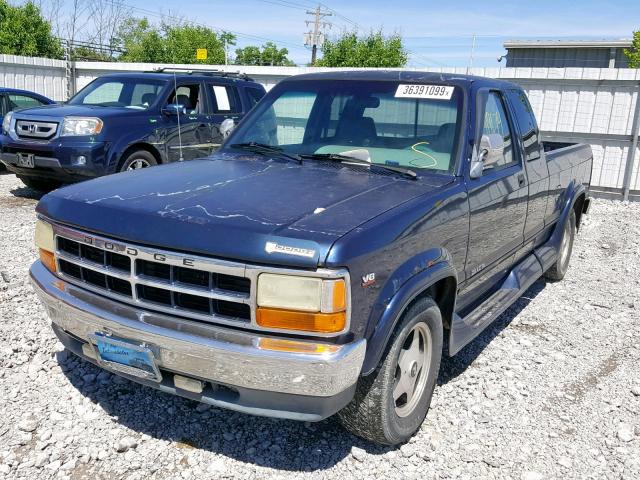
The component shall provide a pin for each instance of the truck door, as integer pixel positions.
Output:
(535, 163)
(225, 103)
(187, 134)
(497, 199)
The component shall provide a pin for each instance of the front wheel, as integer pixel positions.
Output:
(138, 160)
(390, 404)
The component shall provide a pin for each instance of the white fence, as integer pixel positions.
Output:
(590, 105)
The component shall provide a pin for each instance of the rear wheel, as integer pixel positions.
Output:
(40, 184)
(391, 403)
(561, 265)
(137, 160)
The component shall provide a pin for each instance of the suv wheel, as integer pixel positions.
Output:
(137, 160)
(40, 184)
(390, 404)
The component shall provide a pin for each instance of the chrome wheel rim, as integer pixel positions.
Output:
(412, 370)
(564, 245)
(137, 164)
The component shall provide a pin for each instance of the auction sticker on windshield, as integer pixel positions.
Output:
(438, 92)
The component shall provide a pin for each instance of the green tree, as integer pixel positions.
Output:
(141, 41)
(23, 31)
(268, 54)
(144, 42)
(372, 50)
(633, 53)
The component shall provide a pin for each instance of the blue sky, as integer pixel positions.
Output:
(435, 33)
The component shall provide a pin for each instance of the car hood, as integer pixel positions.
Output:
(239, 207)
(64, 110)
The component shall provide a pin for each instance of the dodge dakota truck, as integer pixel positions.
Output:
(125, 121)
(354, 228)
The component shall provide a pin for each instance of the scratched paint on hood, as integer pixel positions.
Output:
(230, 206)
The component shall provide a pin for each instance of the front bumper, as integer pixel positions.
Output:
(238, 374)
(57, 160)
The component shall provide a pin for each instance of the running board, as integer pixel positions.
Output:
(521, 277)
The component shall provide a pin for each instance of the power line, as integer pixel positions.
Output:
(178, 19)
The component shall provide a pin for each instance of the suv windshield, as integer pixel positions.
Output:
(126, 93)
(388, 123)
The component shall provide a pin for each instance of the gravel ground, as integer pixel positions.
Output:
(550, 390)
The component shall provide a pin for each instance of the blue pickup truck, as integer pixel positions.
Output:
(355, 227)
(125, 121)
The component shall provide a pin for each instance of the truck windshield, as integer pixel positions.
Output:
(389, 123)
(126, 93)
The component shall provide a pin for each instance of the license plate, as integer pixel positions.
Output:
(126, 357)
(26, 160)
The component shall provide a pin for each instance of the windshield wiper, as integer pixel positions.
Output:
(264, 149)
(336, 157)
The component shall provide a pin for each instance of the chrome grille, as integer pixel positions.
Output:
(34, 129)
(195, 287)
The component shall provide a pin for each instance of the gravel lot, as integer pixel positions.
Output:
(550, 390)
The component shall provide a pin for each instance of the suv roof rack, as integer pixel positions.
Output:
(212, 73)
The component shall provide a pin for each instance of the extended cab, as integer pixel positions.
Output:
(353, 227)
(125, 121)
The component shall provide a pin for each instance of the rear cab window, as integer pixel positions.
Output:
(527, 124)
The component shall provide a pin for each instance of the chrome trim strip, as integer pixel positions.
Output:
(214, 353)
(198, 262)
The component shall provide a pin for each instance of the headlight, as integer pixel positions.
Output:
(45, 242)
(301, 303)
(6, 122)
(81, 126)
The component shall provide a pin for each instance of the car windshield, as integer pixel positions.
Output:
(397, 124)
(132, 93)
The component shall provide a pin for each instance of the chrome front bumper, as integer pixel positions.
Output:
(319, 383)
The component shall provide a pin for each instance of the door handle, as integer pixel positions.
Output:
(521, 179)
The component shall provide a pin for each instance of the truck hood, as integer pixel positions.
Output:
(239, 207)
(63, 110)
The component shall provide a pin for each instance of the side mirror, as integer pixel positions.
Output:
(490, 150)
(226, 127)
(172, 109)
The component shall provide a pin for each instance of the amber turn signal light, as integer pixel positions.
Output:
(303, 321)
(278, 345)
(48, 259)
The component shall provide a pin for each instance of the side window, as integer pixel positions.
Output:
(495, 127)
(22, 101)
(254, 95)
(527, 123)
(225, 99)
(187, 96)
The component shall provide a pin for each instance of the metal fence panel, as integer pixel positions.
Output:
(591, 105)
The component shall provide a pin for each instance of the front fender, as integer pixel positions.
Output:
(122, 144)
(403, 287)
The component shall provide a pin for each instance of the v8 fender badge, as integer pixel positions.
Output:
(272, 247)
(368, 280)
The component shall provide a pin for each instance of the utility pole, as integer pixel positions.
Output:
(315, 36)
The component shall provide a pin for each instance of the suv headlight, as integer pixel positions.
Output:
(73, 126)
(308, 304)
(6, 122)
(45, 241)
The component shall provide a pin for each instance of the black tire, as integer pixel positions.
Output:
(40, 184)
(138, 159)
(373, 412)
(561, 265)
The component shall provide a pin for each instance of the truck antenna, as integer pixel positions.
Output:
(175, 99)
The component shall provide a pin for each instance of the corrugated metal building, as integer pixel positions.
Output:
(567, 53)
